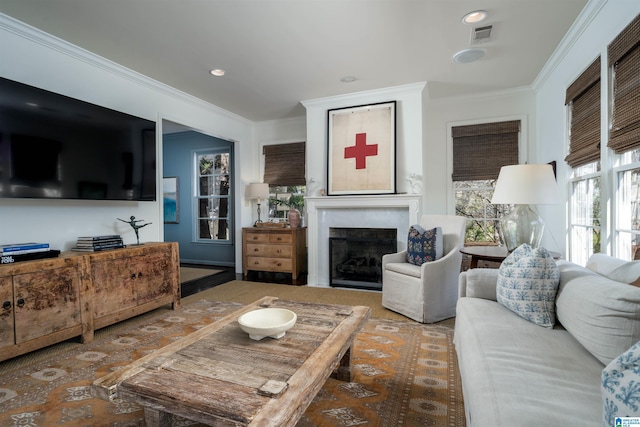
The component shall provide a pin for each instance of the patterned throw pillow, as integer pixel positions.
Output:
(621, 386)
(424, 245)
(527, 284)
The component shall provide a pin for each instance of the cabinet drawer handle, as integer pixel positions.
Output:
(21, 302)
(279, 264)
(133, 276)
(256, 250)
(279, 238)
(139, 274)
(6, 305)
(256, 263)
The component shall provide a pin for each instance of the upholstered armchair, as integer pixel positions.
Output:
(426, 293)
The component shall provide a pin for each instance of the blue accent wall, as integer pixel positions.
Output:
(178, 149)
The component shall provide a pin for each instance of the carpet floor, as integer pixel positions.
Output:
(405, 373)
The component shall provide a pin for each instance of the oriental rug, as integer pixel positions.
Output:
(405, 374)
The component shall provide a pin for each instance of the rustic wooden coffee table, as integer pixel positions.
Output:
(220, 377)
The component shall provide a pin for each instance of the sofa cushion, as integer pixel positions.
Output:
(424, 245)
(527, 284)
(621, 386)
(629, 272)
(600, 313)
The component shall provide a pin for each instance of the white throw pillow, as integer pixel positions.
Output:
(527, 284)
(621, 386)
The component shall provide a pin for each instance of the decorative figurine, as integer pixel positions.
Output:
(133, 222)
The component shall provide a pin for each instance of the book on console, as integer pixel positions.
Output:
(11, 258)
(99, 243)
(14, 247)
(97, 248)
(94, 238)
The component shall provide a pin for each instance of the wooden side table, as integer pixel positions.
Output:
(281, 250)
(491, 253)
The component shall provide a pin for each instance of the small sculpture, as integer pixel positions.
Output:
(415, 183)
(133, 222)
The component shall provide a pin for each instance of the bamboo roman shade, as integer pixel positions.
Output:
(479, 151)
(284, 164)
(583, 97)
(624, 58)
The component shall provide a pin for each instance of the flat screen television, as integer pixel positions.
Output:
(54, 146)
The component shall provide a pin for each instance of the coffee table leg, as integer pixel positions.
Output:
(343, 373)
(155, 418)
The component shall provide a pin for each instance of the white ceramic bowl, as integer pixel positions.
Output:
(267, 322)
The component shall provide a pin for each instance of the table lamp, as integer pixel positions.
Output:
(522, 186)
(257, 191)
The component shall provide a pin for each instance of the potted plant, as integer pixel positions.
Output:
(295, 203)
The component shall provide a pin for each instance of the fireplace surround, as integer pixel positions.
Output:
(397, 211)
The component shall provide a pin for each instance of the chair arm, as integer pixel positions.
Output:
(395, 257)
(478, 283)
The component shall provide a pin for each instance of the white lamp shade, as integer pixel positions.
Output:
(257, 190)
(526, 185)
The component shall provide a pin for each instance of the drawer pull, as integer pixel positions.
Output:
(256, 263)
(6, 305)
(279, 251)
(133, 276)
(279, 238)
(21, 302)
(279, 264)
(256, 250)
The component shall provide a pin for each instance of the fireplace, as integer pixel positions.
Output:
(355, 256)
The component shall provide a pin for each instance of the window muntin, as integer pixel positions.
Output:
(212, 200)
(585, 213)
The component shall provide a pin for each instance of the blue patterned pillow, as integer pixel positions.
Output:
(527, 284)
(424, 245)
(621, 386)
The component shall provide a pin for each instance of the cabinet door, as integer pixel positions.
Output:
(7, 338)
(154, 274)
(46, 301)
(114, 286)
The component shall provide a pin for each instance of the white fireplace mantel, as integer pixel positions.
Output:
(393, 210)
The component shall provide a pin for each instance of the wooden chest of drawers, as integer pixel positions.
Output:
(281, 250)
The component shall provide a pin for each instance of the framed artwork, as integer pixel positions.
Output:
(170, 198)
(362, 150)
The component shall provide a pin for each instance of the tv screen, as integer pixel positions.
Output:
(53, 146)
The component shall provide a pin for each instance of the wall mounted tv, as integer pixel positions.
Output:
(53, 146)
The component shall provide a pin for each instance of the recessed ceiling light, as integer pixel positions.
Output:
(348, 79)
(218, 72)
(475, 17)
(468, 55)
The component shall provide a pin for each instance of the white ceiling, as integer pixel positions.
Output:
(279, 52)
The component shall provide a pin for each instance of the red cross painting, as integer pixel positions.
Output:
(361, 151)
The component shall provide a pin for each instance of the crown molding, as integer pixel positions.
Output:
(582, 22)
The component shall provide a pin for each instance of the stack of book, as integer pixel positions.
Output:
(98, 243)
(25, 252)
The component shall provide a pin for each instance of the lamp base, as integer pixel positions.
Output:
(521, 225)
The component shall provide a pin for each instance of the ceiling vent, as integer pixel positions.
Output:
(481, 34)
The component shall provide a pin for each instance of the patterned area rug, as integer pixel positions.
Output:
(405, 374)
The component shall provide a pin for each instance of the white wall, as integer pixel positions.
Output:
(408, 129)
(599, 24)
(30, 56)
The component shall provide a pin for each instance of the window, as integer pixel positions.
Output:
(284, 168)
(212, 176)
(585, 212)
(624, 137)
(583, 107)
(479, 151)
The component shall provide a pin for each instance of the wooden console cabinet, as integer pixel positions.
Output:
(51, 300)
(274, 249)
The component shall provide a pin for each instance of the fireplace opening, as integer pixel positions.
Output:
(355, 256)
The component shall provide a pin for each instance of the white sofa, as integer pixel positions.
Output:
(517, 373)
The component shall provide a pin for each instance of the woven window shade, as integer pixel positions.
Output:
(583, 96)
(284, 164)
(479, 151)
(624, 57)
